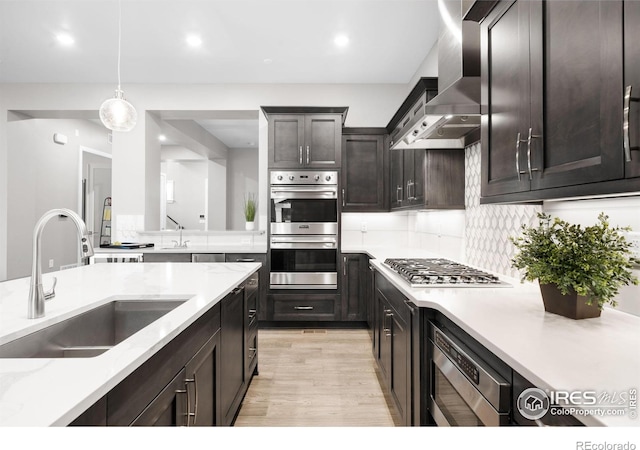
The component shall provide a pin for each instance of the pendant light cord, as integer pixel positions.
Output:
(119, 37)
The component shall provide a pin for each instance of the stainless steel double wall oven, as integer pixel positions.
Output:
(303, 242)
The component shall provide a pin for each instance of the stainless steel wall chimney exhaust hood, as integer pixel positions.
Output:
(445, 120)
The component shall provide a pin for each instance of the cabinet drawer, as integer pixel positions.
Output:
(251, 285)
(167, 257)
(304, 307)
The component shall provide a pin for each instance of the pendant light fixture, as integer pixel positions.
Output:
(116, 113)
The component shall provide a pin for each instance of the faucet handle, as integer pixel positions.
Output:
(175, 243)
(185, 244)
(52, 293)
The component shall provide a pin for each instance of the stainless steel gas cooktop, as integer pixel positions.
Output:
(440, 272)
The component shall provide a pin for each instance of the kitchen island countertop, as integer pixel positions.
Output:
(54, 391)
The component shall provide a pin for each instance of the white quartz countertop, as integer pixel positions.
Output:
(553, 352)
(46, 392)
(215, 248)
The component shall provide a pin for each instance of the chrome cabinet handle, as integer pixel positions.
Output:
(343, 198)
(529, 153)
(303, 308)
(307, 154)
(625, 123)
(399, 194)
(185, 391)
(245, 260)
(408, 190)
(194, 414)
(301, 155)
(344, 266)
(518, 140)
(237, 290)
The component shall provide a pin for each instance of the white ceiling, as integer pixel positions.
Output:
(388, 40)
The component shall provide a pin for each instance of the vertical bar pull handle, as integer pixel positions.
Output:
(529, 153)
(343, 198)
(301, 155)
(307, 154)
(518, 157)
(626, 111)
(344, 266)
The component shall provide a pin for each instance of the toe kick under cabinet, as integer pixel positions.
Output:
(198, 379)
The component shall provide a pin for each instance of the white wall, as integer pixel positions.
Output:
(428, 67)
(43, 175)
(242, 178)
(217, 195)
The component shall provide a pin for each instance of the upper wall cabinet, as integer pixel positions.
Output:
(301, 138)
(552, 94)
(364, 170)
(631, 112)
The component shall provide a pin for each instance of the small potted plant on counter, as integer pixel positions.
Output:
(250, 211)
(579, 269)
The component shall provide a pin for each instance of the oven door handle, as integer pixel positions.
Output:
(303, 190)
(474, 399)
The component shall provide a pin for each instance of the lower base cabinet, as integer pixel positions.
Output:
(181, 387)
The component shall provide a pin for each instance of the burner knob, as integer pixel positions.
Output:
(279, 177)
(317, 177)
(328, 178)
(291, 177)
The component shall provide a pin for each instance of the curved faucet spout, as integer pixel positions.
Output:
(37, 295)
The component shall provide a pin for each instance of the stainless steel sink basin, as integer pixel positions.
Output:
(90, 333)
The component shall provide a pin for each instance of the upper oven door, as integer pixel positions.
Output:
(305, 204)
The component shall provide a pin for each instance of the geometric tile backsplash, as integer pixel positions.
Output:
(488, 227)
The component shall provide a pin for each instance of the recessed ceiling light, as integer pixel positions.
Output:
(65, 39)
(194, 41)
(267, 61)
(162, 138)
(341, 40)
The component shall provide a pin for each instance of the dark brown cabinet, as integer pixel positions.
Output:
(169, 408)
(263, 273)
(432, 179)
(364, 171)
(201, 376)
(304, 307)
(304, 141)
(552, 92)
(393, 347)
(355, 268)
(233, 351)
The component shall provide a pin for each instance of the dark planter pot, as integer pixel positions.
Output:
(572, 305)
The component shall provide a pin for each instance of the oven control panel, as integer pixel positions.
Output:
(455, 354)
(303, 177)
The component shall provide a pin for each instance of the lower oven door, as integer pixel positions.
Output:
(296, 264)
(455, 401)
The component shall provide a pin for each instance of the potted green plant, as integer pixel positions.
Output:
(250, 211)
(579, 269)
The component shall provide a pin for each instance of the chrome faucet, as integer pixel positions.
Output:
(181, 244)
(37, 296)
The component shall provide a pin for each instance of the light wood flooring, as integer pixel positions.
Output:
(315, 378)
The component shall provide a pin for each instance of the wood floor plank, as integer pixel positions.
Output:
(315, 378)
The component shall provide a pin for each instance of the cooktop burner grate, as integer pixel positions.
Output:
(423, 272)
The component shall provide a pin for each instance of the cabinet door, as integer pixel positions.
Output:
(232, 351)
(505, 95)
(400, 360)
(396, 185)
(444, 171)
(323, 138)
(353, 301)
(169, 408)
(363, 173)
(384, 336)
(632, 80)
(414, 167)
(201, 381)
(576, 69)
(286, 140)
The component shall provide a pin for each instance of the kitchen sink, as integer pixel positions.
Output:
(90, 333)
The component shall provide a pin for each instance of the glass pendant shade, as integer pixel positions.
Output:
(117, 114)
